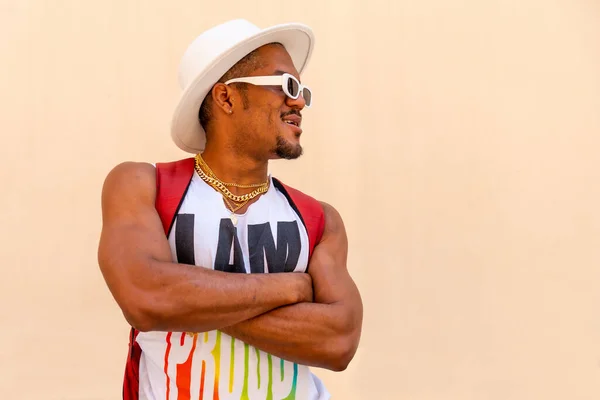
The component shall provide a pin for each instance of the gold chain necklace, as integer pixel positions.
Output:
(217, 184)
(210, 173)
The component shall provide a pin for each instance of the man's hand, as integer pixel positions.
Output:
(325, 333)
(156, 294)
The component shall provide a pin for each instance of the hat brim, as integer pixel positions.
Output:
(186, 131)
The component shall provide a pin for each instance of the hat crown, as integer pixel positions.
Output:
(210, 45)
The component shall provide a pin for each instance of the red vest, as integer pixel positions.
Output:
(172, 182)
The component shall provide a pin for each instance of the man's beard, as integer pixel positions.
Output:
(287, 150)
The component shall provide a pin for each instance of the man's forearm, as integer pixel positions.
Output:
(195, 299)
(313, 334)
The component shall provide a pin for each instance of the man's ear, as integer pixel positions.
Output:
(222, 97)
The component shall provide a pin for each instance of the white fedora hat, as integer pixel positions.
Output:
(212, 54)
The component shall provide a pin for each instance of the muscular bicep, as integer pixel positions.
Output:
(132, 235)
(331, 279)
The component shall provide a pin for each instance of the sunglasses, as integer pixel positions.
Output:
(290, 85)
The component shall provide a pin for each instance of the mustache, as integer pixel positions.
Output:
(291, 112)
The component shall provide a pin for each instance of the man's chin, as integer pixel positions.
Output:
(288, 154)
(287, 150)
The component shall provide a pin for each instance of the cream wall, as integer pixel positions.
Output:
(465, 133)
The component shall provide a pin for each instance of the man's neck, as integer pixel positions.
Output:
(234, 168)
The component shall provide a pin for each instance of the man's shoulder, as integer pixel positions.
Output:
(130, 172)
(128, 183)
(128, 167)
(138, 169)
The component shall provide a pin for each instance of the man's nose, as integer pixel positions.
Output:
(298, 103)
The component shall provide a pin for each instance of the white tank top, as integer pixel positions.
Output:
(213, 365)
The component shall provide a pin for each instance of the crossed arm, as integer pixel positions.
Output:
(313, 319)
(323, 333)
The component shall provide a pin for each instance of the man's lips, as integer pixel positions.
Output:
(293, 119)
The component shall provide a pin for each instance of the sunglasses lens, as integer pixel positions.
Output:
(292, 87)
(306, 93)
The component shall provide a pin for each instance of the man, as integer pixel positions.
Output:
(234, 284)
